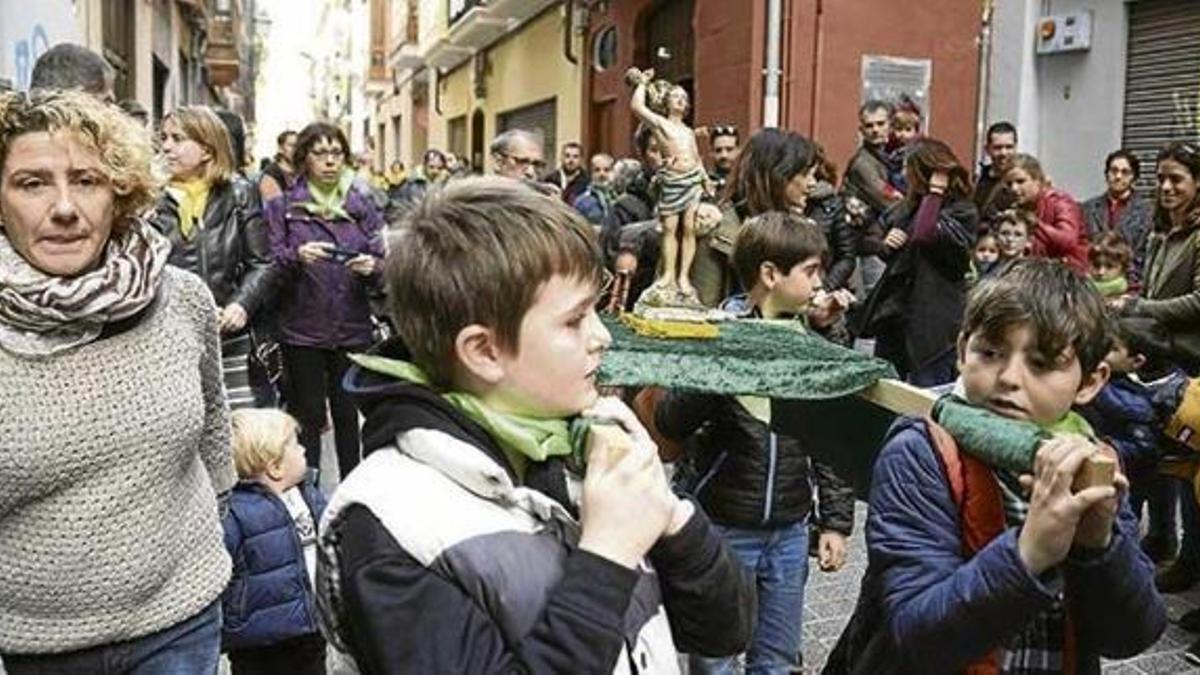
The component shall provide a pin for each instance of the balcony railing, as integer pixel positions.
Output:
(457, 8)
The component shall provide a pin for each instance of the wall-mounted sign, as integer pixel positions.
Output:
(1064, 33)
(898, 80)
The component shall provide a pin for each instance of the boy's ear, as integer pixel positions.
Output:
(274, 470)
(479, 354)
(1139, 360)
(768, 274)
(1092, 384)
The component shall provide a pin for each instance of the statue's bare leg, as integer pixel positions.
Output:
(687, 249)
(670, 249)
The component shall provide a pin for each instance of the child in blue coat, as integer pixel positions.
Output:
(976, 569)
(270, 617)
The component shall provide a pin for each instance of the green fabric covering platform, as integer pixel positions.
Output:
(812, 383)
(764, 358)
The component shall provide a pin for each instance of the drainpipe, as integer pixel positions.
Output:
(569, 32)
(985, 77)
(773, 74)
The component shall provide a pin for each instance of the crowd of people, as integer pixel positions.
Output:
(445, 327)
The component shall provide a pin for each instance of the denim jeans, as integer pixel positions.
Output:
(190, 647)
(778, 559)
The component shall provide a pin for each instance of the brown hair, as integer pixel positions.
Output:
(904, 118)
(1030, 165)
(476, 252)
(1111, 247)
(1062, 308)
(1028, 219)
(927, 156)
(782, 238)
(203, 126)
(123, 146)
(765, 166)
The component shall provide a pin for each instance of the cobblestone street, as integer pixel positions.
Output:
(830, 600)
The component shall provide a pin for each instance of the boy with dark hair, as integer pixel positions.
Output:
(464, 542)
(1131, 412)
(757, 486)
(976, 569)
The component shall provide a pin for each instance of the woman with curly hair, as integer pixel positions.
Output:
(114, 431)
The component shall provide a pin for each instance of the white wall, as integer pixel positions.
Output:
(1068, 108)
(27, 30)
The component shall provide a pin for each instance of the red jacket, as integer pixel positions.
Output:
(1060, 233)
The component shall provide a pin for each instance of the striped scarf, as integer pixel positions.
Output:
(42, 315)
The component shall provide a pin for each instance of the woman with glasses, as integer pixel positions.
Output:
(1121, 209)
(1060, 233)
(325, 237)
(213, 219)
(1168, 315)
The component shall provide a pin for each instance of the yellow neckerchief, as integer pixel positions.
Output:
(192, 196)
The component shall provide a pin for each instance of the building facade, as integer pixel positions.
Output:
(804, 65)
(165, 53)
(461, 71)
(1130, 77)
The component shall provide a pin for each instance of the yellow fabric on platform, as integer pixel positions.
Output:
(679, 330)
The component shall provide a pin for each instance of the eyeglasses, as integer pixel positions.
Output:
(331, 153)
(723, 130)
(525, 161)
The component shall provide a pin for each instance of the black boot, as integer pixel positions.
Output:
(1160, 548)
(1176, 578)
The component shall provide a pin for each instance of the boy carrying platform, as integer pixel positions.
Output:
(976, 569)
(464, 542)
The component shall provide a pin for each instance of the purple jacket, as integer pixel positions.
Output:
(324, 304)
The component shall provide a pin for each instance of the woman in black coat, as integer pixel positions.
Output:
(213, 219)
(915, 311)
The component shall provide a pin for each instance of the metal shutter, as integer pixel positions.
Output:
(540, 118)
(1162, 78)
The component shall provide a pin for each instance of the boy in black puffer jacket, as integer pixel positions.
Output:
(755, 485)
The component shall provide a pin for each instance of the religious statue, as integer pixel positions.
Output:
(661, 106)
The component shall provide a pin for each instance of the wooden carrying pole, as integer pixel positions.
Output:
(905, 399)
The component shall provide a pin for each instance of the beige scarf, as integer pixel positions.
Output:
(42, 315)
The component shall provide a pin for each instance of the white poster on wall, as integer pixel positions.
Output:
(27, 30)
(898, 80)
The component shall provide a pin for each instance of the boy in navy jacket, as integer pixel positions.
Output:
(1060, 579)
(270, 617)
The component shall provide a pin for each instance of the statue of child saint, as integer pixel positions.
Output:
(661, 106)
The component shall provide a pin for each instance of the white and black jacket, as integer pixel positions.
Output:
(434, 559)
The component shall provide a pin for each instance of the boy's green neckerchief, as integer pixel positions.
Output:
(328, 200)
(522, 438)
(1111, 288)
(1071, 423)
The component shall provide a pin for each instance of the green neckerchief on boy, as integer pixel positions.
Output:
(1111, 288)
(328, 200)
(1071, 423)
(522, 438)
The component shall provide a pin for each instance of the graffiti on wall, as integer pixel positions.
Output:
(25, 53)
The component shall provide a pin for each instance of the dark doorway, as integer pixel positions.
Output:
(477, 141)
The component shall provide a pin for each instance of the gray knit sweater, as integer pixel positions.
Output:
(109, 456)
